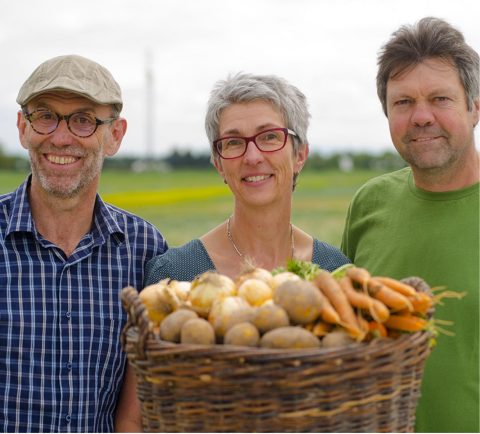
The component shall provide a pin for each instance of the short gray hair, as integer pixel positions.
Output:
(429, 38)
(243, 87)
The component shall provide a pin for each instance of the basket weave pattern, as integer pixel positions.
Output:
(189, 388)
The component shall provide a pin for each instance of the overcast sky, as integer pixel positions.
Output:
(326, 48)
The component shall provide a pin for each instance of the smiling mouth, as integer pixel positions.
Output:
(61, 159)
(256, 178)
(425, 139)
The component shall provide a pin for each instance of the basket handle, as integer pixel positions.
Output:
(137, 317)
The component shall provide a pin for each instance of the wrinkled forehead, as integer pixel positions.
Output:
(60, 100)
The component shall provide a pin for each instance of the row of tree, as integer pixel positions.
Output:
(177, 159)
(344, 161)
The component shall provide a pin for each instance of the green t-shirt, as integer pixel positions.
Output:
(398, 230)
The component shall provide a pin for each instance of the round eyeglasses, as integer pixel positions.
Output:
(79, 123)
(270, 140)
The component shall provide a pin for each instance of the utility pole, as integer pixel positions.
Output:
(149, 106)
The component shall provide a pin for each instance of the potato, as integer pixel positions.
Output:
(301, 300)
(243, 334)
(270, 316)
(279, 278)
(171, 326)
(337, 338)
(197, 331)
(289, 337)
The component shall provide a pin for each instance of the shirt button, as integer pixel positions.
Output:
(68, 315)
(69, 366)
(68, 418)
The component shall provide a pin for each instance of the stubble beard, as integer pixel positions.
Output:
(67, 187)
(434, 157)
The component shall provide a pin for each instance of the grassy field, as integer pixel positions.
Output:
(186, 204)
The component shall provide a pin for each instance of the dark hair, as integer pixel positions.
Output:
(429, 38)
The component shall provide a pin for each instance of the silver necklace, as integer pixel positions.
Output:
(239, 253)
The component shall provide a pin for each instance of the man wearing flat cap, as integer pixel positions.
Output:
(65, 255)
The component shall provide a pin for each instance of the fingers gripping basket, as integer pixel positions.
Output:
(187, 388)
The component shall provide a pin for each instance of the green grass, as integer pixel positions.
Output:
(186, 204)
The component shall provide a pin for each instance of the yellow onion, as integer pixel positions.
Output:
(206, 288)
(255, 291)
(254, 273)
(180, 288)
(159, 300)
(228, 311)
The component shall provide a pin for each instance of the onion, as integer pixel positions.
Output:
(254, 273)
(206, 288)
(255, 291)
(159, 300)
(180, 288)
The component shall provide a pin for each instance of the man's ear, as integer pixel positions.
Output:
(22, 126)
(476, 111)
(118, 130)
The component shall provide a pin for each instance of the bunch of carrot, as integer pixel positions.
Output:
(369, 306)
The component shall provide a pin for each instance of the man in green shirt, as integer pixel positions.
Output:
(424, 220)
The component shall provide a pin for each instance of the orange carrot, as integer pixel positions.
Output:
(407, 323)
(387, 296)
(330, 287)
(379, 312)
(421, 303)
(309, 326)
(356, 298)
(321, 328)
(377, 329)
(363, 324)
(328, 313)
(359, 275)
(398, 286)
(376, 308)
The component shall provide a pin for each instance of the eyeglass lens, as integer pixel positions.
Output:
(266, 141)
(46, 122)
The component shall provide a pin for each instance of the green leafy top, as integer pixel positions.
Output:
(305, 269)
(308, 270)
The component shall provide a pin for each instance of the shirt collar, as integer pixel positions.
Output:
(20, 216)
(104, 222)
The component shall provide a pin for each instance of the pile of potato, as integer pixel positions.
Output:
(283, 310)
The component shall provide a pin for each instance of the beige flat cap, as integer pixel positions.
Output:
(75, 74)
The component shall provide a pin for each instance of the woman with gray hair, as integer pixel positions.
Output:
(257, 127)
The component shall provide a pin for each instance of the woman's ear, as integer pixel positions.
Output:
(301, 157)
(217, 162)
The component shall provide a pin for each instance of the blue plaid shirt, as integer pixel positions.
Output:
(61, 361)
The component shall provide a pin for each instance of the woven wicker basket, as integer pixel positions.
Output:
(189, 388)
